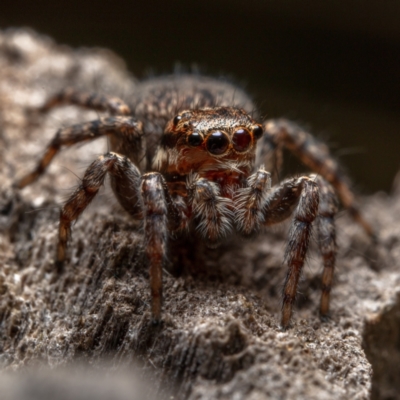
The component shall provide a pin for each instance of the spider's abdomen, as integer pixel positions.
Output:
(159, 99)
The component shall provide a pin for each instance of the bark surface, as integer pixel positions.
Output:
(220, 336)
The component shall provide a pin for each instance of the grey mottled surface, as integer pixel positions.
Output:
(220, 337)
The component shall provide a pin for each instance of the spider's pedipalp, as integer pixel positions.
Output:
(213, 212)
(125, 128)
(250, 200)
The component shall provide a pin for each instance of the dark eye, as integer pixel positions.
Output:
(258, 132)
(241, 140)
(195, 139)
(176, 120)
(217, 143)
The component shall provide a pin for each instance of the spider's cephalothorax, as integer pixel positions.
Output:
(218, 144)
(207, 140)
(188, 155)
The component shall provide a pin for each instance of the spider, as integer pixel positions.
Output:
(188, 155)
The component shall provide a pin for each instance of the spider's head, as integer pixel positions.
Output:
(209, 140)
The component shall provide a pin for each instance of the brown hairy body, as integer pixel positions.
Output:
(188, 151)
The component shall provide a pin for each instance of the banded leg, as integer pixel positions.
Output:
(328, 208)
(213, 212)
(300, 197)
(155, 210)
(125, 128)
(93, 179)
(250, 201)
(92, 101)
(313, 153)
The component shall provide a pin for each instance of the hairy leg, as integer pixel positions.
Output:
(213, 212)
(328, 208)
(125, 128)
(281, 133)
(155, 209)
(93, 179)
(91, 101)
(301, 197)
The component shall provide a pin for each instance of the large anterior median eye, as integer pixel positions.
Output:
(217, 143)
(241, 140)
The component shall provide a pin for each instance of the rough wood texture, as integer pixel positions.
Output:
(220, 335)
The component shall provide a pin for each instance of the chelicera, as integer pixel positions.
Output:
(188, 154)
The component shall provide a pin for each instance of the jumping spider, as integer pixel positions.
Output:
(187, 154)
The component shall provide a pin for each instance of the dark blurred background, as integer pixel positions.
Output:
(332, 65)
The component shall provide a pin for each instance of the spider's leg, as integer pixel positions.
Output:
(93, 179)
(328, 207)
(300, 197)
(213, 212)
(250, 200)
(313, 153)
(91, 101)
(124, 128)
(157, 205)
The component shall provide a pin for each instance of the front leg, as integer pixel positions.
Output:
(281, 133)
(309, 199)
(300, 197)
(156, 202)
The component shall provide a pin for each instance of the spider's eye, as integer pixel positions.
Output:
(241, 140)
(258, 132)
(217, 143)
(176, 120)
(195, 139)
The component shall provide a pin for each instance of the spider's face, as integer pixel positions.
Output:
(209, 140)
